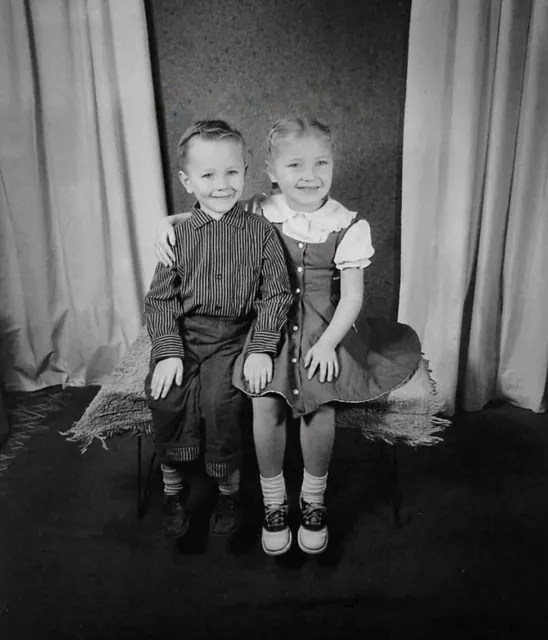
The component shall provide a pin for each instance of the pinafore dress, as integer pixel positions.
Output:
(375, 357)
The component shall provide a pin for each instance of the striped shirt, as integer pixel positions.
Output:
(227, 268)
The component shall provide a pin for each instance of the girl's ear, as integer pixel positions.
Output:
(185, 181)
(270, 172)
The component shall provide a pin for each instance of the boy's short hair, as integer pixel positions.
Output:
(207, 130)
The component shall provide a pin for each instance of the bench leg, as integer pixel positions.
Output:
(389, 456)
(395, 488)
(143, 488)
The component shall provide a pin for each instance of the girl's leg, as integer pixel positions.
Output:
(269, 433)
(317, 437)
(269, 414)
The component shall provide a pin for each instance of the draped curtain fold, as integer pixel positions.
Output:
(474, 262)
(81, 187)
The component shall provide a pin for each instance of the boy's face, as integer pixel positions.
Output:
(214, 173)
(303, 169)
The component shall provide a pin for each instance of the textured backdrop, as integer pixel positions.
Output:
(252, 61)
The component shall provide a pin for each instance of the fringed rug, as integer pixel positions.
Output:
(406, 415)
(26, 413)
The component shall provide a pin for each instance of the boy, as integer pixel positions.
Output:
(229, 270)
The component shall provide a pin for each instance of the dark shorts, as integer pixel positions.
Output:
(206, 412)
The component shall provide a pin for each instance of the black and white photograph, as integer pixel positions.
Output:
(273, 319)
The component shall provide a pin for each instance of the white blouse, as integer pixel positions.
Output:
(355, 249)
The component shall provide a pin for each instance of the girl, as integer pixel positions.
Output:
(329, 353)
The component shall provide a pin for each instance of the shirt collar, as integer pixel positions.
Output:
(234, 217)
(307, 227)
(276, 209)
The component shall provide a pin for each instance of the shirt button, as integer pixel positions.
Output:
(218, 276)
(217, 306)
(299, 269)
(297, 291)
(293, 360)
(295, 328)
(301, 245)
(295, 392)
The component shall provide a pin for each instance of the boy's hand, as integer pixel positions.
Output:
(323, 356)
(258, 371)
(164, 239)
(165, 373)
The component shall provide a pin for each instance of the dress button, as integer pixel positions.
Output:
(299, 269)
(293, 360)
(295, 392)
(301, 245)
(295, 328)
(297, 291)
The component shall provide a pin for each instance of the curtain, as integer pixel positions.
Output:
(474, 261)
(81, 187)
(4, 426)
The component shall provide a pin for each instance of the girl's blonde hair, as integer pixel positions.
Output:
(295, 128)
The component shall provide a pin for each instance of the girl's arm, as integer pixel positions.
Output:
(164, 237)
(351, 257)
(322, 355)
(348, 308)
(176, 218)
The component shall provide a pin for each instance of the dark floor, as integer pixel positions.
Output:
(469, 562)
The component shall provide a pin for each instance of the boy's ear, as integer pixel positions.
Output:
(185, 181)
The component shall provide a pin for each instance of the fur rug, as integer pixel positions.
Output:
(406, 415)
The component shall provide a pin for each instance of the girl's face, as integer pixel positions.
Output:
(303, 169)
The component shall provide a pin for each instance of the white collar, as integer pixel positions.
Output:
(307, 227)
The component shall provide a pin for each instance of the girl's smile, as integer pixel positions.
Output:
(303, 169)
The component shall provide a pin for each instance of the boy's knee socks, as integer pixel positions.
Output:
(231, 484)
(173, 479)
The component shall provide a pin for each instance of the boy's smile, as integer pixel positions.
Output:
(215, 172)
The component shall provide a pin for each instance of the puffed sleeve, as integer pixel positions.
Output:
(356, 248)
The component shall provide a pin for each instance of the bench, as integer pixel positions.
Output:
(406, 416)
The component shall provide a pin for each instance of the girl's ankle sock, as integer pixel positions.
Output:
(273, 490)
(313, 488)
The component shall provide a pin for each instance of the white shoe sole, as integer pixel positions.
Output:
(312, 552)
(278, 552)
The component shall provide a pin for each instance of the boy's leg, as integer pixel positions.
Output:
(269, 434)
(224, 408)
(176, 418)
(227, 515)
(172, 415)
(317, 437)
(175, 515)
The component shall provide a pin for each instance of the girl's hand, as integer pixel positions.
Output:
(164, 239)
(323, 356)
(258, 371)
